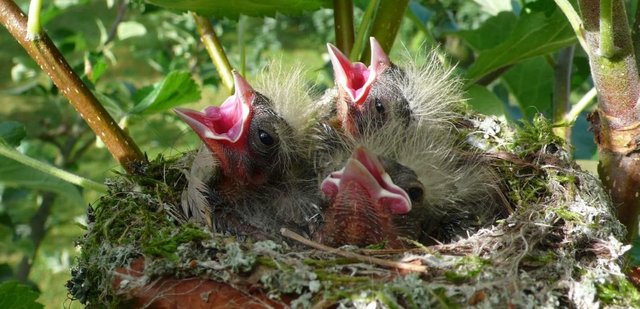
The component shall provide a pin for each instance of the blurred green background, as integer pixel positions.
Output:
(125, 47)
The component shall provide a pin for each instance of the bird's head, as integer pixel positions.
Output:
(362, 203)
(243, 133)
(366, 95)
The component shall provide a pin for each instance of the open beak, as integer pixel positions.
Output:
(365, 168)
(355, 78)
(227, 122)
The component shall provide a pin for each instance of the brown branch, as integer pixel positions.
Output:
(49, 58)
(343, 24)
(616, 124)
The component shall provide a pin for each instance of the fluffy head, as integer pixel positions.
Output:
(410, 92)
(431, 90)
(248, 134)
(292, 99)
(445, 179)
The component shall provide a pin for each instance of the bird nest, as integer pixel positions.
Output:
(560, 247)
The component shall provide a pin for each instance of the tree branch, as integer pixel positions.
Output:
(214, 48)
(386, 24)
(343, 24)
(616, 124)
(49, 58)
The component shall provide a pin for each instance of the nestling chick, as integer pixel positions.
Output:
(449, 190)
(370, 96)
(256, 177)
(362, 200)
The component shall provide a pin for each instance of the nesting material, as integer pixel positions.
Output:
(560, 247)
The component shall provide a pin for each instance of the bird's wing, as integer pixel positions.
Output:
(194, 198)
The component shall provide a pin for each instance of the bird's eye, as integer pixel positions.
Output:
(265, 138)
(379, 106)
(415, 194)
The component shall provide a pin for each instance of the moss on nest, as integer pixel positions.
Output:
(559, 247)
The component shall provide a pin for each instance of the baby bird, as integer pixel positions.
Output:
(447, 191)
(362, 200)
(252, 178)
(370, 96)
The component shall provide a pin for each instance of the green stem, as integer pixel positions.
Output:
(343, 20)
(607, 47)
(562, 92)
(577, 108)
(362, 35)
(49, 58)
(574, 20)
(386, 24)
(33, 23)
(51, 170)
(215, 50)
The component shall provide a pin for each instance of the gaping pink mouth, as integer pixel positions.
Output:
(364, 168)
(356, 78)
(224, 122)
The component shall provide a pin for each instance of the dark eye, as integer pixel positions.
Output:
(265, 138)
(379, 106)
(415, 194)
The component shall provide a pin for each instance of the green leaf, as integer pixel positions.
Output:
(534, 34)
(491, 33)
(12, 132)
(18, 296)
(531, 83)
(14, 174)
(233, 9)
(176, 89)
(98, 66)
(484, 101)
(130, 29)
